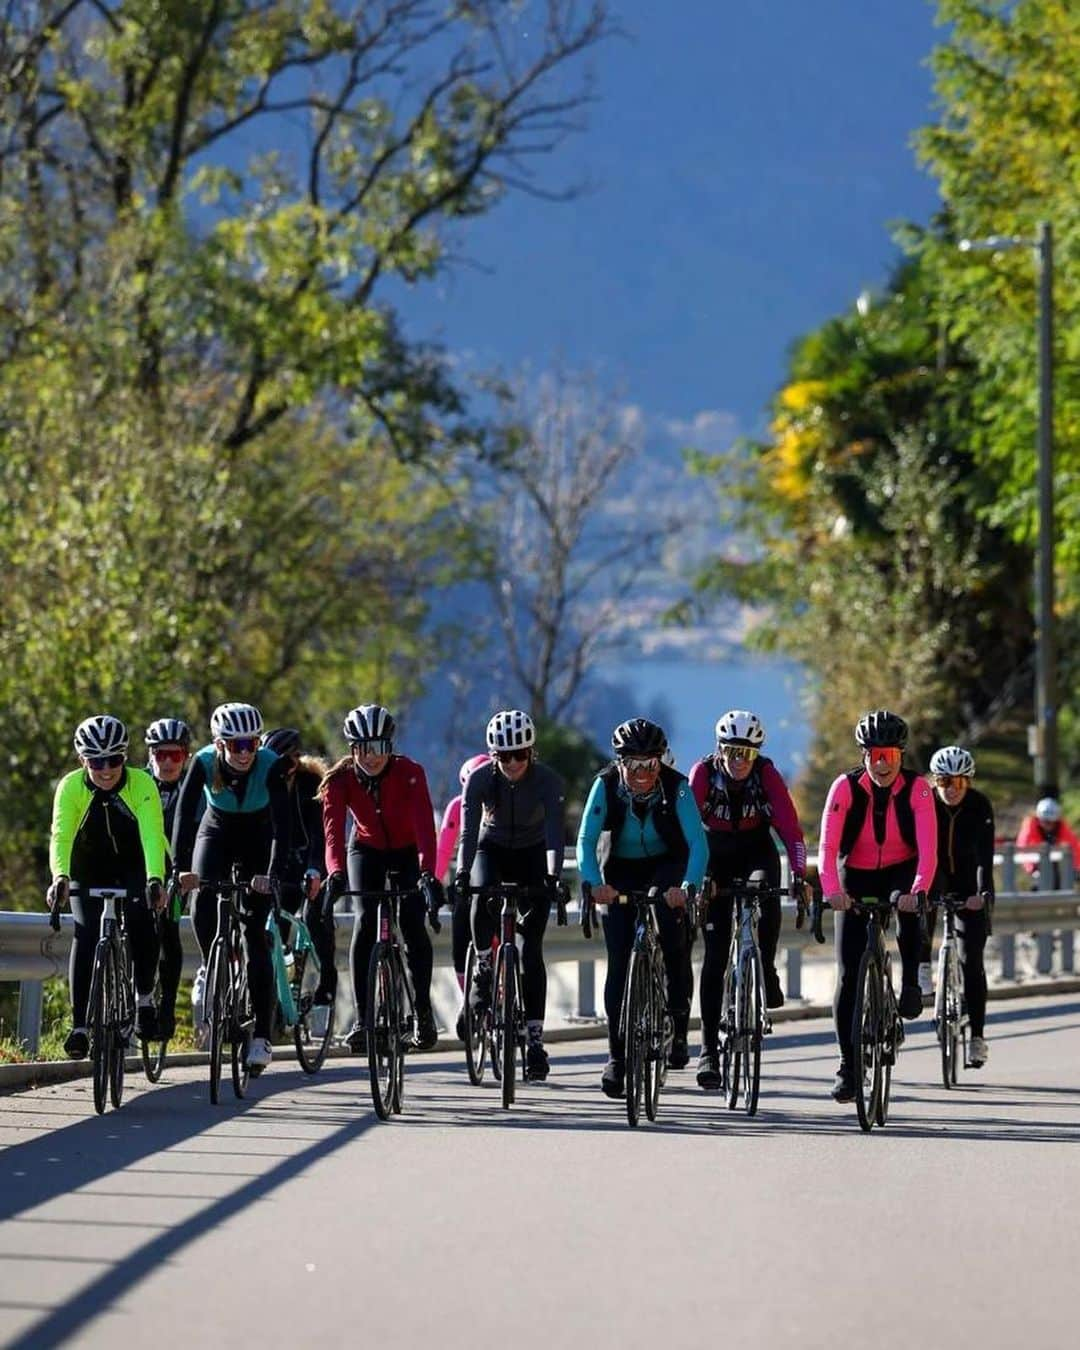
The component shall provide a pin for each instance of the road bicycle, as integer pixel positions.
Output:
(499, 1034)
(296, 978)
(951, 1020)
(646, 1028)
(877, 1031)
(390, 1020)
(744, 1015)
(228, 999)
(111, 1007)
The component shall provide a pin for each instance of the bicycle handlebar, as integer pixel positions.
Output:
(867, 904)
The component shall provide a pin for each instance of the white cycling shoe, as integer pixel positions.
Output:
(260, 1053)
(978, 1052)
(198, 1009)
(926, 980)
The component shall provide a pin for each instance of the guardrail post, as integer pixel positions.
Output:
(1008, 956)
(30, 1002)
(1008, 867)
(1044, 961)
(1068, 869)
(1046, 869)
(1067, 950)
(794, 972)
(586, 988)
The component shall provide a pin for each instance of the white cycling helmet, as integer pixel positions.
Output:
(739, 727)
(369, 722)
(235, 719)
(168, 731)
(953, 759)
(1048, 809)
(101, 735)
(510, 729)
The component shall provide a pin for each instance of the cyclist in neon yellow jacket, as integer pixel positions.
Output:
(107, 831)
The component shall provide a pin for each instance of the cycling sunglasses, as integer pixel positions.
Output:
(949, 780)
(99, 762)
(650, 765)
(744, 752)
(243, 745)
(512, 756)
(169, 754)
(884, 754)
(382, 746)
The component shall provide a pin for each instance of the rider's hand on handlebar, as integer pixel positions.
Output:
(461, 882)
(840, 901)
(260, 884)
(604, 895)
(675, 897)
(155, 895)
(56, 897)
(975, 902)
(312, 882)
(189, 881)
(908, 904)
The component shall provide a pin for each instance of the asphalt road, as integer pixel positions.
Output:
(296, 1218)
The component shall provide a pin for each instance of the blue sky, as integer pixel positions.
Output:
(743, 164)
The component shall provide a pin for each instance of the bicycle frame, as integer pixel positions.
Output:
(300, 944)
(951, 1020)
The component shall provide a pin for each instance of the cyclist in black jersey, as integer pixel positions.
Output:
(512, 829)
(168, 743)
(965, 866)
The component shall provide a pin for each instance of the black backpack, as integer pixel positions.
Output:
(860, 803)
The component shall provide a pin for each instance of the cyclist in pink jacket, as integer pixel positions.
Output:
(878, 835)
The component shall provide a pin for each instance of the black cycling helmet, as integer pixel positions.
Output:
(638, 737)
(283, 741)
(168, 731)
(881, 728)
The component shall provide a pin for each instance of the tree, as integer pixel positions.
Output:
(571, 533)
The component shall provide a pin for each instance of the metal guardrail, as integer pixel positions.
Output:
(30, 952)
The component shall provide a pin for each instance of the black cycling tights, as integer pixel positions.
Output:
(851, 941)
(526, 867)
(244, 838)
(640, 874)
(368, 868)
(142, 934)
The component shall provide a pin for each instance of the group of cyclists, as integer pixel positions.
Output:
(308, 833)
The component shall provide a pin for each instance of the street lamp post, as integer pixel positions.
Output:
(1045, 749)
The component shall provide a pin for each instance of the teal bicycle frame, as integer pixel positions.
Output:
(301, 945)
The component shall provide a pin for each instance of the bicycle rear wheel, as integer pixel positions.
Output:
(753, 1008)
(475, 1032)
(384, 1044)
(504, 1048)
(314, 1024)
(865, 1045)
(241, 1025)
(100, 1028)
(636, 1023)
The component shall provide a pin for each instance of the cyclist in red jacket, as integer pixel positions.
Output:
(386, 795)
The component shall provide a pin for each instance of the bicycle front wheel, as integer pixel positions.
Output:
(241, 1026)
(865, 1041)
(655, 1039)
(636, 1021)
(100, 1025)
(384, 1043)
(314, 1023)
(948, 1018)
(217, 996)
(753, 1010)
(475, 1032)
(505, 1021)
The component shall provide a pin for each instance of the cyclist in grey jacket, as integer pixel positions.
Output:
(512, 829)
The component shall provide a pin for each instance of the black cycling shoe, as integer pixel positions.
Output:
(146, 1021)
(427, 1034)
(774, 995)
(910, 1002)
(166, 1022)
(843, 1089)
(480, 993)
(324, 996)
(613, 1079)
(708, 1071)
(356, 1039)
(680, 1053)
(77, 1045)
(536, 1062)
